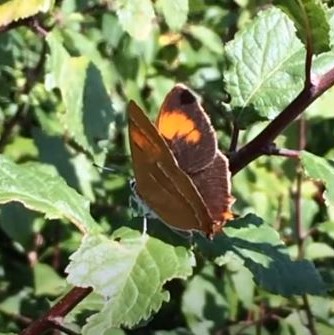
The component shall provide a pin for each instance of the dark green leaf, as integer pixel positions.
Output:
(263, 253)
(88, 112)
(311, 22)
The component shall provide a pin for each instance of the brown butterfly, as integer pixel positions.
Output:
(180, 172)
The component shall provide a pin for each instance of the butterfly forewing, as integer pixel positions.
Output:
(160, 182)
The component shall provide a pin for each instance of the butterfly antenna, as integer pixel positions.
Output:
(112, 169)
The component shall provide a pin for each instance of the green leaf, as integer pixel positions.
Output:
(313, 251)
(207, 37)
(310, 20)
(21, 147)
(244, 286)
(12, 303)
(263, 253)
(330, 13)
(88, 47)
(321, 108)
(250, 186)
(129, 271)
(327, 228)
(320, 169)
(17, 9)
(296, 323)
(265, 68)
(175, 12)
(39, 188)
(136, 17)
(211, 309)
(88, 113)
(321, 307)
(316, 250)
(47, 281)
(18, 223)
(324, 328)
(197, 6)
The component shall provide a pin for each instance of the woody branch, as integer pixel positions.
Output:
(258, 146)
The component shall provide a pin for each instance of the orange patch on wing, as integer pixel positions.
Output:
(227, 216)
(144, 143)
(176, 125)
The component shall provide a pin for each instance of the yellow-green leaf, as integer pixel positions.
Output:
(17, 9)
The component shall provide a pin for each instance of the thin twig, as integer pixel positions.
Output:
(298, 196)
(272, 150)
(235, 137)
(36, 26)
(59, 310)
(299, 219)
(298, 224)
(309, 315)
(249, 323)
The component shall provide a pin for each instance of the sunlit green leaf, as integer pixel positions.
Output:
(244, 286)
(321, 108)
(14, 10)
(47, 281)
(265, 68)
(320, 169)
(175, 12)
(129, 271)
(136, 17)
(327, 228)
(313, 251)
(316, 250)
(39, 188)
(204, 304)
(207, 37)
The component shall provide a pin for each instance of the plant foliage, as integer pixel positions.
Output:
(73, 254)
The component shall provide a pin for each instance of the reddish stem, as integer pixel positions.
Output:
(258, 145)
(59, 310)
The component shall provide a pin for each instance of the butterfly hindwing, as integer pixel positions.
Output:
(187, 129)
(214, 185)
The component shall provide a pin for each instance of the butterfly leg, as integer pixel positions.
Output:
(144, 225)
